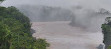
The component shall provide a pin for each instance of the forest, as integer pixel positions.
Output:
(106, 29)
(15, 31)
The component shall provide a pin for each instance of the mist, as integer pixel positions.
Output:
(66, 17)
(83, 13)
(89, 19)
(95, 4)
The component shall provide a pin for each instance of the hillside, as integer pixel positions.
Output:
(15, 31)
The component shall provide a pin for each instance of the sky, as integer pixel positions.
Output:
(62, 3)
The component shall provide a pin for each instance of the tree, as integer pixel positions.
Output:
(106, 29)
(1, 0)
(15, 31)
(5, 36)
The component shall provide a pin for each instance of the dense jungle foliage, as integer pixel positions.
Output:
(15, 31)
(106, 29)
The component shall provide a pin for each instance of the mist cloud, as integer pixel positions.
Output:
(89, 19)
(85, 17)
(62, 3)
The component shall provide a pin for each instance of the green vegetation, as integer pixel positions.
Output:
(107, 33)
(1, 0)
(15, 31)
(109, 47)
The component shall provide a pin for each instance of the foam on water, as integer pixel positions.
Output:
(62, 36)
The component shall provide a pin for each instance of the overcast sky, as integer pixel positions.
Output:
(63, 3)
